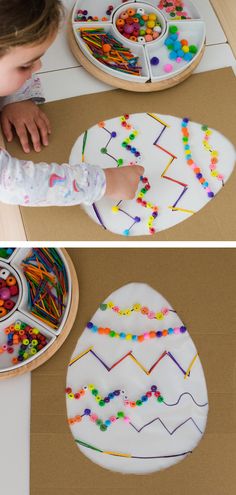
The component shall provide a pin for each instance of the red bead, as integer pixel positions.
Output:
(68, 390)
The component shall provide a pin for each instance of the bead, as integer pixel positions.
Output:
(168, 68)
(155, 61)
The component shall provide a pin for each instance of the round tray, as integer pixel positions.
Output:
(58, 339)
(150, 81)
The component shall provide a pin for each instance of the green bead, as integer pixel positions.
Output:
(204, 128)
(112, 333)
(185, 139)
(120, 414)
(103, 150)
(103, 307)
(101, 403)
(23, 325)
(160, 398)
(132, 136)
(98, 422)
(103, 427)
(143, 190)
(142, 22)
(138, 402)
(120, 162)
(95, 392)
(124, 144)
(172, 14)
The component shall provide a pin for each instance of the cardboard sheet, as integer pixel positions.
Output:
(199, 283)
(205, 98)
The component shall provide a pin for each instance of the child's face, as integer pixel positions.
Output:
(19, 63)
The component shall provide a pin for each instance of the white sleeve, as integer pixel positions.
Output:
(28, 184)
(31, 90)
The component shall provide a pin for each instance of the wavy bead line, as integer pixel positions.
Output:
(138, 308)
(103, 401)
(130, 456)
(136, 338)
(120, 415)
(189, 159)
(214, 154)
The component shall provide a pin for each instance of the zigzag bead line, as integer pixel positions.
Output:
(138, 308)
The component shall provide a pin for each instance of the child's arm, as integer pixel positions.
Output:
(27, 184)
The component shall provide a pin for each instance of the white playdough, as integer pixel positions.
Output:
(164, 192)
(153, 442)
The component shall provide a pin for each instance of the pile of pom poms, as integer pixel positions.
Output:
(179, 49)
(139, 26)
(28, 340)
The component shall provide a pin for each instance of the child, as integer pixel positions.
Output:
(28, 28)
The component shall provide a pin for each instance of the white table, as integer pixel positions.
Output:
(62, 77)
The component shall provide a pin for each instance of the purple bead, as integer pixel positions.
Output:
(210, 195)
(87, 412)
(137, 153)
(199, 176)
(154, 214)
(117, 392)
(183, 329)
(128, 147)
(85, 12)
(137, 219)
(106, 400)
(186, 120)
(153, 388)
(89, 324)
(159, 334)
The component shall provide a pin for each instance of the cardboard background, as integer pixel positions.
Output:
(205, 98)
(200, 285)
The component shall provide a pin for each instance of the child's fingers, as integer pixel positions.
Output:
(43, 131)
(44, 117)
(7, 129)
(35, 136)
(23, 137)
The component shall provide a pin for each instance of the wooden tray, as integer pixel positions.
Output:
(60, 339)
(117, 82)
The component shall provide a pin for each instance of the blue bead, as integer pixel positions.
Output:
(94, 329)
(126, 232)
(183, 329)
(111, 395)
(206, 184)
(174, 37)
(177, 46)
(89, 324)
(188, 57)
(87, 412)
(113, 134)
(159, 334)
(144, 398)
(122, 335)
(107, 422)
(187, 147)
(170, 331)
(134, 337)
(137, 219)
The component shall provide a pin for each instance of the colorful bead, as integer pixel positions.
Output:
(214, 154)
(145, 311)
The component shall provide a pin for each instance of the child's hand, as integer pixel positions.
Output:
(26, 117)
(122, 183)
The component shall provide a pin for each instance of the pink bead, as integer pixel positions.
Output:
(148, 37)
(5, 293)
(212, 166)
(151, 315)
(168, 68)
(127, 403)
(155, 35)
(116, 309)
(4, 347)
(220, 177)
(165, 311)
(112, 419)
(127, 419)
(146, 335)
(192, 166)
(177, 330)
(208, 189)
(178, 60)
(93, 417)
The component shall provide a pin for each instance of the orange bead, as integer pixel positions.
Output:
(1, 302)
(202, 180)
(164, 333)
(106, 48)
(78, 418)
(106, 331)
(14, 360)
(7, 331)
(197, 170)
(145, 17)
(82, 392)
(190, 162)
(101, 330)
(3, 312)
(184, 42)
(101, 124)
(152, 334)
(140, 338)
(149, 31)
(11, 281)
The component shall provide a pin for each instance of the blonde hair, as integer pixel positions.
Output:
(26, 22)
